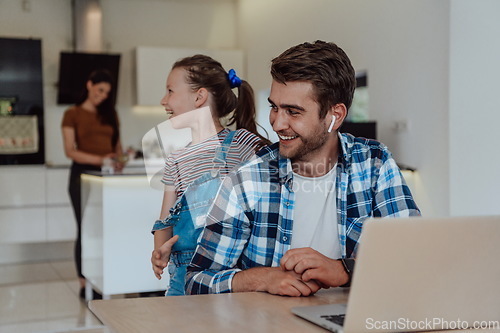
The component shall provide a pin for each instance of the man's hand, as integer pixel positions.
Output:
(274, 281)
(161, 256)
(290, 284)
(313, 266)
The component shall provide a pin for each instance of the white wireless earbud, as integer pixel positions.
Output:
(331, 125)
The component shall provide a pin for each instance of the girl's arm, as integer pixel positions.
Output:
(169, 198)
(163, 240)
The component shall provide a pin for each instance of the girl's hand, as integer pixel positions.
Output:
(161, 256)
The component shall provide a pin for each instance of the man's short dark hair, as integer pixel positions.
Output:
(323, 64)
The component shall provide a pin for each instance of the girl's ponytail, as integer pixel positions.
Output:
(245, 113)
(205, 72)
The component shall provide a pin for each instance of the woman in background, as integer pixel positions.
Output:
(91, 138)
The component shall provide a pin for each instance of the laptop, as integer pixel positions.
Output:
(420, 274)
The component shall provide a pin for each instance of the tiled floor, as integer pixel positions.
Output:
(43, 297)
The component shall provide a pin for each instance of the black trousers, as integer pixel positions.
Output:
(75, 194)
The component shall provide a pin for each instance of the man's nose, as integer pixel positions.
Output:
(279, 121)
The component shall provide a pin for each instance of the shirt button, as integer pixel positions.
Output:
(287, 203)
(285, 238)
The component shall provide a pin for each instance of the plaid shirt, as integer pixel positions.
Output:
(250, 222)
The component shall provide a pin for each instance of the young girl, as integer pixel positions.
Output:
(91, 135)
(193, 173)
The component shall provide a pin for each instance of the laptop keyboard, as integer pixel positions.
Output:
(337, 319)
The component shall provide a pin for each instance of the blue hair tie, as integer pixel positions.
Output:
(234, 80)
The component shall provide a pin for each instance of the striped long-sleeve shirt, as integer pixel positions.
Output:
(251, 221)
(185, 165)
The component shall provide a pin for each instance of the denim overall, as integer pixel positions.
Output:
(188, 216)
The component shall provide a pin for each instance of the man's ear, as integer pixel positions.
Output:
(339, 111)
(201, 97)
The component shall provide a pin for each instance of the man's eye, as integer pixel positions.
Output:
(273, 107)
(292, 112)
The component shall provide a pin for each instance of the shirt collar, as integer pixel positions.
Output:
(345, 141)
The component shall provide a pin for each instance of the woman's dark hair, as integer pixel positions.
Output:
(325, 65)
(205, 72)
(106, 111)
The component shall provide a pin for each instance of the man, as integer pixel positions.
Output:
(288, 222)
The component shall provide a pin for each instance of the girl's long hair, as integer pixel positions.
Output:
(205, 72)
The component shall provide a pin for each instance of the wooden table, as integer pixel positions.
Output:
(238, 312)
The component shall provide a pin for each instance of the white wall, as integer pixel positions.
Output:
(403, 45)
(474, 107)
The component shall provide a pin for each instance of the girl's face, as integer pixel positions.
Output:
(98, 92)
(179, 97)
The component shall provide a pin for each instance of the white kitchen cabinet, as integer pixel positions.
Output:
(22, 186)
(61, 224)
(22, 225)
(35, 205)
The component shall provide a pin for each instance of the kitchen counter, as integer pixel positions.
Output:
(125, 172)
(118, 213)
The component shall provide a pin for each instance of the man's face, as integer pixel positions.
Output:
(294, 116)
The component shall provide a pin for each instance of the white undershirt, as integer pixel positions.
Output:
(315, 214)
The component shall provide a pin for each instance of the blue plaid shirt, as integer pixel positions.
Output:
(250, 222)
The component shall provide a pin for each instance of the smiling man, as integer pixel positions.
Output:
(289, 221)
